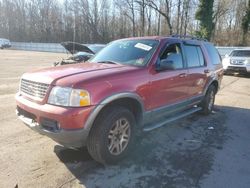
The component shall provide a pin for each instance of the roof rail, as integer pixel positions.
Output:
(188, 37)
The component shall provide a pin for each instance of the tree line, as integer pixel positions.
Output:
(224, 22)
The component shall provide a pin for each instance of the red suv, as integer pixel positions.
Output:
(130, 85)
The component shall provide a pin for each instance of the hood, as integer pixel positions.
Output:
(74, 47)
(52, 74)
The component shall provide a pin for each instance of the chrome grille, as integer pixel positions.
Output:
(34, 89)
(237, 62)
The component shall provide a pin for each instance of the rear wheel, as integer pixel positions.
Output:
(112, 135)
(208, 101)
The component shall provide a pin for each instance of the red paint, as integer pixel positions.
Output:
(156, 89)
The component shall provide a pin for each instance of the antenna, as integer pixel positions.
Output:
(74, 32)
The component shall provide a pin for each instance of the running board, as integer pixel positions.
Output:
(171, 119)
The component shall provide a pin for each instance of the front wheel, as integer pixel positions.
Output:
(208, 101)
(112, 135)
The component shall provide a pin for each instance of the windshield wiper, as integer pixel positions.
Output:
(109, 62)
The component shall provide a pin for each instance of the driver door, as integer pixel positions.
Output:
(170, 86)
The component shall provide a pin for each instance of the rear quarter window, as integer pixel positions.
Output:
(213, 54)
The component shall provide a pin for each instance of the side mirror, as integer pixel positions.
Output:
(165, 64)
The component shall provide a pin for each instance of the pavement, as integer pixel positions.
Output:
(198, 151)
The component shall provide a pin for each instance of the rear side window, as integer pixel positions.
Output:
(213, 53)
(194, 56)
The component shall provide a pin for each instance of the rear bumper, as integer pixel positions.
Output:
(63, 125)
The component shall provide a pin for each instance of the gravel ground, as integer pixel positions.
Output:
(198, 151)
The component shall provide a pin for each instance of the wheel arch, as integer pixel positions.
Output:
(131, 101)
(215, 83)
(212, 82)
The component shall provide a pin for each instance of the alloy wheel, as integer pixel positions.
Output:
(119, 136)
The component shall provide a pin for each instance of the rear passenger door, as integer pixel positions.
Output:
(197, 69)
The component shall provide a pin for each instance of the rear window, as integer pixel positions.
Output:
(240, 53)
(213, 53)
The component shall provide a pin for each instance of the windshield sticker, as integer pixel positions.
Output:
(143, 46)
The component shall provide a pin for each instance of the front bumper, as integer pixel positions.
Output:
(235, 68)
(6, 46)
(67, 138)
(63, 125)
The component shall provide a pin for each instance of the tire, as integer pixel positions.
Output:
(208, 102)
(112, 135)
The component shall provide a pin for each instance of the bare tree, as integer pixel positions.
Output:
(130, 12)
(101, 21)
(142, 9)
(165, 13)
(178, 17)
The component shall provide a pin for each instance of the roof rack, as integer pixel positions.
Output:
(189, 37)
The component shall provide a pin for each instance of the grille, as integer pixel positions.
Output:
(34, 89)
(244, 69)
(237, 62)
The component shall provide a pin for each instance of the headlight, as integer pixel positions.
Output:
(225, 62)
(64, 96)
(247, 62)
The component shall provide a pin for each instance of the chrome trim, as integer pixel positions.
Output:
(33, 89)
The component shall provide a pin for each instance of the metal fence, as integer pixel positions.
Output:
(227, 50)
(57, 47)
(42, 47)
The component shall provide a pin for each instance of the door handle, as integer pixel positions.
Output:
(183, 75)
(206, 71)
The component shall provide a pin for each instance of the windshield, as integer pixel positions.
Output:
(129, 52)
(240, 53)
